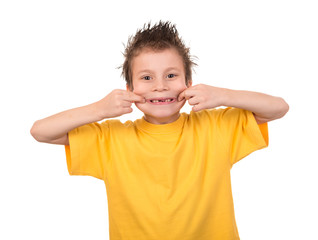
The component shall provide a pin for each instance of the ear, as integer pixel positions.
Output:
(127, 88)
(189, 83)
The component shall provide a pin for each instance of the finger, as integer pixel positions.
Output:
(127, 110)
(181, 96)
(197, 107)
(126, 104)
(194, 101)
(132, 97)
(187, 94)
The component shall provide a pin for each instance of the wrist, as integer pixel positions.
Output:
(226, 97)
(97, 111)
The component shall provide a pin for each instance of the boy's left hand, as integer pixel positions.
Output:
(203, 96)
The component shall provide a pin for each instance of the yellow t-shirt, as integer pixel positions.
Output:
(171, 181)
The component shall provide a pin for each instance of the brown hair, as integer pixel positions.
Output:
(161, 36)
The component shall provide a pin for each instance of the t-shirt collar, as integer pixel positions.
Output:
(173, 127)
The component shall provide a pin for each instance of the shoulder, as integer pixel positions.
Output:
(101, 127)
(220, 116)
(214, 113)
(117, 125)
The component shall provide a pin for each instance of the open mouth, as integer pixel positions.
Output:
(160, 101)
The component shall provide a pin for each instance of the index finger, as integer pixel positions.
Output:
(186, 94)
(132, 97)
(181, 96)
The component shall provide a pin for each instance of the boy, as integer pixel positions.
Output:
(167, 175)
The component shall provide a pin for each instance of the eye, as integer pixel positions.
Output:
(171, 75)
(146, 77)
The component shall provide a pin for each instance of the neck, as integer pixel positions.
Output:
(164, 120)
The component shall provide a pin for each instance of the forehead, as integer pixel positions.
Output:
(157, 60)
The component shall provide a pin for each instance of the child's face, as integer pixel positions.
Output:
(159, 77)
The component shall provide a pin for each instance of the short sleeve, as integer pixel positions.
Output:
(240, 133)
(86, 153)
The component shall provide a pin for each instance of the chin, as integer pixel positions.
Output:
(160, 112)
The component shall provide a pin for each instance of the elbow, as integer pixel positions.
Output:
(35, 132)
(276, 109)
(279, 109)
(283, 108)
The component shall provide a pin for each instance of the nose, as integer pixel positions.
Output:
(160, 85)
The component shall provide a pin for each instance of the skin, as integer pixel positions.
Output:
(157, 75)
(161, 74)
(265, 108)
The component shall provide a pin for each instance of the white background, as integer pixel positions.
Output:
(57, 55)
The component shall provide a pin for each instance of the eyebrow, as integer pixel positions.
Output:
(144, 71)
(166, 70)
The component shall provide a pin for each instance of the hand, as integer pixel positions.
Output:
(117, 103)
(203, 96)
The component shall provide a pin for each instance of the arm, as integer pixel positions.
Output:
(265, 107)
(54, 129)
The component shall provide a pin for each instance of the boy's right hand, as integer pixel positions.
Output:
(54, 129)
(117, 103)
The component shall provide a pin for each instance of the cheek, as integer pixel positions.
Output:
(138, 106)
(139, 90)
(180, 87)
